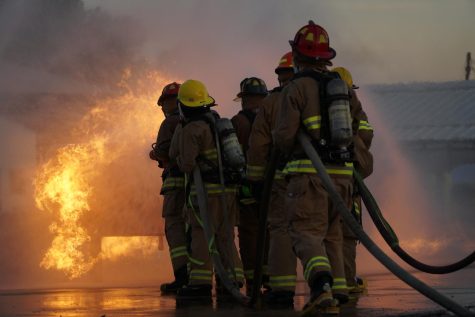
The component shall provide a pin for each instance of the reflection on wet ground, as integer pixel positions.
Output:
(386, 296)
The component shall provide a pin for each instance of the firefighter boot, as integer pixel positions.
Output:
(181, 279)
(360, 285)
(320, 296)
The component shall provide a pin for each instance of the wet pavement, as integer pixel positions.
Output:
(386, 296)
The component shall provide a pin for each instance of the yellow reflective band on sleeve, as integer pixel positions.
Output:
(339, 283)
(215, 189)
(312, 123)
(306, 166)
(283, 281)
(255, 171)
(173, 182)
(316, 262)
(364, 125)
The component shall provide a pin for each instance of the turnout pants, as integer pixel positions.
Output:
(201, 262)
(175, 229)
(282, 260)
(315, 227)
(248, 229)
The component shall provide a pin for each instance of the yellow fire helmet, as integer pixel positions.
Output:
(193, 93)
(345, 75)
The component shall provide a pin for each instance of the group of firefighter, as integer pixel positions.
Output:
(232, 157)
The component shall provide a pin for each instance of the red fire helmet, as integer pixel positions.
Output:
(285, 62)
(312, 41)
(170, 90)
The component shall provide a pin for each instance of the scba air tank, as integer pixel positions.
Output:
(339, 114)
(230, 147)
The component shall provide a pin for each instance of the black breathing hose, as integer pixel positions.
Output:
(392, 240)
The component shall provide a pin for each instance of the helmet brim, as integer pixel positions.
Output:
(330, 54)
(163, 97)
(209, 101)
(279, 70)
(239, 95)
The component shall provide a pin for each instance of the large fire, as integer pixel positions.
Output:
(71, 185)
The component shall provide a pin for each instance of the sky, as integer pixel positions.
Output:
(380, 41)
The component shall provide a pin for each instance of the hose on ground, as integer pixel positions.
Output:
(392, 240)
(366, 240)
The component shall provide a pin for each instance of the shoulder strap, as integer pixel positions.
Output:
(322, 78)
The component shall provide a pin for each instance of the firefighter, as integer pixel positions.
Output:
(172, 189)
(314, 224)
(363, 160)
(282, 261)
(252, 92)
(194, 144)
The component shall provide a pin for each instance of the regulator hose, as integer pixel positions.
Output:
(392, 240)
(366, 240)
(261, 235)
(210, 238)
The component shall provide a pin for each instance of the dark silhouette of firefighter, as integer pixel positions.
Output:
(194, 144)
(173, 189)
(252, 92)
(314, 100)
(282, 261)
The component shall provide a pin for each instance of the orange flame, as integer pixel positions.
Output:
(114, 247)
(65, 185)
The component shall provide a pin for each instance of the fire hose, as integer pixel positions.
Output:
(208, 229)
(392, 240)
(366, 240)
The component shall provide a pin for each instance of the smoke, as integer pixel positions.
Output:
(72, 78)
(431, 228)
(63, 40)
(223, 42)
